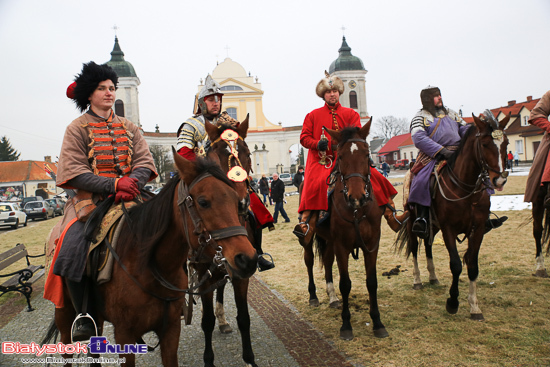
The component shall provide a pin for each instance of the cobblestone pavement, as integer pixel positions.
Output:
(280, 337)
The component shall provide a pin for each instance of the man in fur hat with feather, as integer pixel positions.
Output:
(193, 141)
(102, 155)
(336, 117)
(436, 131)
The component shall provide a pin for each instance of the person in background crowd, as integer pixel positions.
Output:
(278, 196)
(298, 177)
(264, 189)
(510, 161)
(516, 158)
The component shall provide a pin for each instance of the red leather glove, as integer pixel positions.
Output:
(126, 189)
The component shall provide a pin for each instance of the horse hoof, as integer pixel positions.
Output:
(335, 304)
(541, 273)
(225, 329)
(314, 302)
(346, 334)
(434, 282)
(451, 309)
(477, 317)
(381, 333)
(418, 286)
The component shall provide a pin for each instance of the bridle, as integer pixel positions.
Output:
(482, 179)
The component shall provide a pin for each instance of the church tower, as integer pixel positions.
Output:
(350, 69)
(126, 104)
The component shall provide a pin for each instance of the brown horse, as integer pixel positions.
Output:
(194, 216)
(461, 205)
(355, 219)
(541, 230)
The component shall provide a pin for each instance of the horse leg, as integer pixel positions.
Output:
(309, 259)
(471, 258)
(328, 260)
(456, 268)
(430, 261)
(223, 325)
(208, 322)
(170, 337)
(122, 337)
(538, 217)
(372, 287)
(243, 319)
(412, 245)
(342, 258)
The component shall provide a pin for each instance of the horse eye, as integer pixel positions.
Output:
(203, 203)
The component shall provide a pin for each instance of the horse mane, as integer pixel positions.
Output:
(149, 221)
(471, 130)
(347, 134)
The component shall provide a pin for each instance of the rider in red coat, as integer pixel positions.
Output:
(336, 117)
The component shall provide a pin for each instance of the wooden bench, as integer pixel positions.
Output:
(22, 280)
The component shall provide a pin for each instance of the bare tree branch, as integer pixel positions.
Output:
(389, 126)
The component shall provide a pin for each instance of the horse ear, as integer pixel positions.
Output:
(364, 131)
(186, 168)
(504, 122)
(211, 130)
(480, 124)
(334, 134)
(243, 127)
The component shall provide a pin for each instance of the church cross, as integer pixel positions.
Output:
(115, 28)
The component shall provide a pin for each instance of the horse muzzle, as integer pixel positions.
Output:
(500, 180)
(355, 204)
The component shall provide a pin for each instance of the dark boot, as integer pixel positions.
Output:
(420, 226)
(494, 223)
(84, 328)
(265, 264)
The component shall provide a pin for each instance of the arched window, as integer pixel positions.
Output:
(231, 87)
(352, 99)
(119, 108)
(231, 111)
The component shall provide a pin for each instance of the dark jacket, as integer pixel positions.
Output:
(264, 186)
(277, 190)
(298, 178)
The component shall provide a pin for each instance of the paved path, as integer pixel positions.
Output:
(280, 337)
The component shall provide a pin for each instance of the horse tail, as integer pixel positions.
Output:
(545, 240)
(51, 334)
(320, 248)
(402, 241)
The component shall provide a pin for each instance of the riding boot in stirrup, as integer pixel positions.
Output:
(395, 221)
(84, 328)
(302, 229)
(420, 225)
(494, 223)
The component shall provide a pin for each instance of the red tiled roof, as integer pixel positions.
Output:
(514, 109)
(393, 144)
(25, 171)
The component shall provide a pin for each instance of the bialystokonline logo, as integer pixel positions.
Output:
(97, 345)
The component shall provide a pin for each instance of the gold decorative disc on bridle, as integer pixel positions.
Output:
(229, 135)
(497, 134)
(237, 174)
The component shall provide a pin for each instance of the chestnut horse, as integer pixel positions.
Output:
(195, 216)
(229, 147)
(461, 205)
(354, 221)
(541, 230)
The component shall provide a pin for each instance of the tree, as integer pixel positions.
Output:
(162, 159)
(7, 153)
(389, 126)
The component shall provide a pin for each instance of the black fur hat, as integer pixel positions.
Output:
(427, 97)
(87, 81)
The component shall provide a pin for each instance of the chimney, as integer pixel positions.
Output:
(48, 158)
(511, 103)
(529, 98)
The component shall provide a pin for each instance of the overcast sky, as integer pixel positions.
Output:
(480, 53)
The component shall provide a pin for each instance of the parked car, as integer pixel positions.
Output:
(28, 199)
(38, 209)
(58, 206)
(401, 164)
(12, 215)
(286, 178)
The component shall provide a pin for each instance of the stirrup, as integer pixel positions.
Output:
(270, 265)
(300, 233)
(394, 212)
(422, 234)
(78, 317)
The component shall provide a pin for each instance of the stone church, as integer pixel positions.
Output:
(274, 147)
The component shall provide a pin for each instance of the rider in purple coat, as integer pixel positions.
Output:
(436, 131)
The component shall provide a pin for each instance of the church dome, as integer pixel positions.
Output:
(346, 61)
(122, 67)
(228, 69)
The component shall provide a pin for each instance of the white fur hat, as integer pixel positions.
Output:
(329, 83)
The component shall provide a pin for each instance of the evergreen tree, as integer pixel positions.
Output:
(7, 153)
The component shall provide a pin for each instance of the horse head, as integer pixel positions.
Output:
(228, 145)
(353, 164)
(491, 147)
(209, 204)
